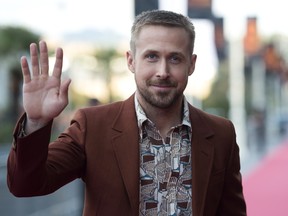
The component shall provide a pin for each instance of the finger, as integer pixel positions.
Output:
(64, 90)
(44, 62)
(25, 70)
(34, 59)
(58, 63)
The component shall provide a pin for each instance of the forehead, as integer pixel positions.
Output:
(163, 37)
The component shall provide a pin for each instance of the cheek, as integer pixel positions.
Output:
(143, 72)
(140, 78)
(181, 76)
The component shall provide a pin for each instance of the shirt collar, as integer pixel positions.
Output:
(141, 116)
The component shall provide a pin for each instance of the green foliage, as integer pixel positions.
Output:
(217, 101)
(6, 130)
(15, 39)
(105, 57)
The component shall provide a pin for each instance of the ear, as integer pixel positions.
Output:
(193, 63)
(130, 60)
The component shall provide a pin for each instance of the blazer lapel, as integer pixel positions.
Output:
(202, 157)
(126, 145)
(125, 141)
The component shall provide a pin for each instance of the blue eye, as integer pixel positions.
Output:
(175, 59)
(151, 57)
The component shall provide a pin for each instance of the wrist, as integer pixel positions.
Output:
(33, 125)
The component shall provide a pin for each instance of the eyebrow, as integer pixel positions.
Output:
(155, 51)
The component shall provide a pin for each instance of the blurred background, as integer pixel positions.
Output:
(241, 74)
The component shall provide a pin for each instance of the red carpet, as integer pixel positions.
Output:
(266, 188)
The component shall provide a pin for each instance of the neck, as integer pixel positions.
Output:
(164, 118)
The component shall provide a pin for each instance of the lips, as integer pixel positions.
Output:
(162, 84)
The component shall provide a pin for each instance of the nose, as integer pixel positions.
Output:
(163, 69)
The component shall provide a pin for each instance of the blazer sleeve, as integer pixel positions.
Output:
(36, 167)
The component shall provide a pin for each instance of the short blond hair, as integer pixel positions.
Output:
(161, 18)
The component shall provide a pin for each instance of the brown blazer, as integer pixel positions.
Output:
(101, 146)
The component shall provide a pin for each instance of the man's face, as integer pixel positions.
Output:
(161, 63)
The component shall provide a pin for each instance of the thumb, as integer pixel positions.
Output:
(64, 89)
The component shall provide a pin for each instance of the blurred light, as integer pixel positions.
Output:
(52, 61)
(207, 63)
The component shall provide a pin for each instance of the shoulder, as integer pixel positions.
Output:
(207, 123)
(106, 111)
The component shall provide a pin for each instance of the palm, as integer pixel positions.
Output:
(44, 96)
(41, 98)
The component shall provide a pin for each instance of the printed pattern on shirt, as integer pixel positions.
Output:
(165, 170)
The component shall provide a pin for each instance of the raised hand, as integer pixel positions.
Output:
(44, 96)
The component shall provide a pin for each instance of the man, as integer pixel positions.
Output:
(152, 154)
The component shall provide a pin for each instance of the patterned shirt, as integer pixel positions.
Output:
(165, 167)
